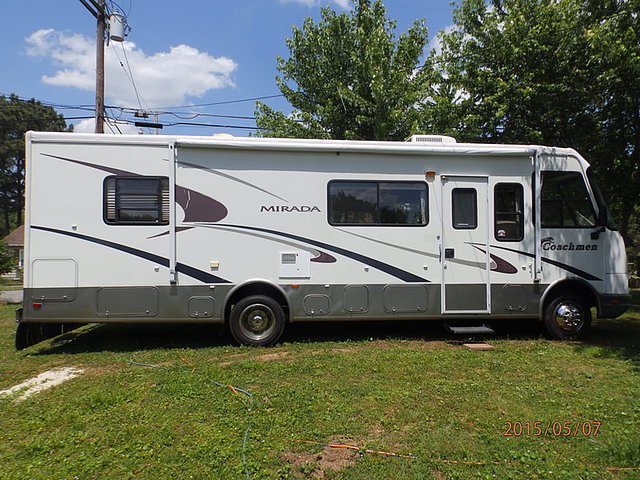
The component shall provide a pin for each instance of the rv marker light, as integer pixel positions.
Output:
(430, 174)
(37, 305)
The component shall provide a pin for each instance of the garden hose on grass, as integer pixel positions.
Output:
(234, 389)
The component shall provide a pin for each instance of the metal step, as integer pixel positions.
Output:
(469, 329)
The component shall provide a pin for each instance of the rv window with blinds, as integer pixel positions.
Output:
(565, 201)
(377, 203)
(509, 212)
(136, 200)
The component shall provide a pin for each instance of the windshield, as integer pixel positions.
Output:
(604, 217)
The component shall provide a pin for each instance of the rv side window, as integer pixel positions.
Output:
(377, 203)
(465, 211)
(508, 212)
(565, 201)
(136, 200)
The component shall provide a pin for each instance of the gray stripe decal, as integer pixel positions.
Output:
(152, 257)
(383, 267)
(232, 178)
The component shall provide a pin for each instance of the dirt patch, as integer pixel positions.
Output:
(334, 350)
(267, 357)
(41, 382)
(331, 458)
(272, 356)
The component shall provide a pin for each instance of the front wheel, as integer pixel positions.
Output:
(257, 321)
(567, 317)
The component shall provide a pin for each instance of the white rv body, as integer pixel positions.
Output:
(186, 229)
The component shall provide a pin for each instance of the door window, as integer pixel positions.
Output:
(464, 203)
(508, 212)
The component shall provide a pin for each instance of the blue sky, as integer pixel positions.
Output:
(180, 54)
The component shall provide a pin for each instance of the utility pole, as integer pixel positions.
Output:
(117, 31)
(96, 8)
(100, 68)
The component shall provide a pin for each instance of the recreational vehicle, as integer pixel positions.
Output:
(257, 233)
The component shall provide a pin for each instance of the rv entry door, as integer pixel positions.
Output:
(464, 249)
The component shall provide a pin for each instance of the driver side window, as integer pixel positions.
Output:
(565, 201)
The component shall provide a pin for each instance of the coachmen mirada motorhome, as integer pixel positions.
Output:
(255, 233)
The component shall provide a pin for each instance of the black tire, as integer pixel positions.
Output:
(257, 321)
(567, 317)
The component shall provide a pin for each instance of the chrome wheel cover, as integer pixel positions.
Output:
(568, 316)
(257, 322)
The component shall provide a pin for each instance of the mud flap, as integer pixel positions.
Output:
(28, 334)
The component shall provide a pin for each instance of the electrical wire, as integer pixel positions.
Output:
(116, 6)
(118, 118)
(184, 115)
(133, 82)
(228, 102)
(129, 73)
(211, 125)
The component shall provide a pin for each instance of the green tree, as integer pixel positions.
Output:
(7, 261)
(554, 72)
(349, 77)
(16, 118)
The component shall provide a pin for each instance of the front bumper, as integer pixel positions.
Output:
(612, 306)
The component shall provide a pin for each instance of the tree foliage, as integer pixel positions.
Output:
(553, 72)
(349, 77)
(7, 260)
(16, 118)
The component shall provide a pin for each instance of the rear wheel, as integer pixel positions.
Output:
(257, 321)
(567, 317)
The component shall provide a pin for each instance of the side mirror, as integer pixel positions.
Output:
(595, 235)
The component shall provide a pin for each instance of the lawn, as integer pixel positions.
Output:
(414, 401)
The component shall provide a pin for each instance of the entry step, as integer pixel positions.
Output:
(469, 329)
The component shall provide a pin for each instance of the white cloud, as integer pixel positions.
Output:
(435, 43)
(165, 78)
(89, 126)
(345, 4)
(85, 126)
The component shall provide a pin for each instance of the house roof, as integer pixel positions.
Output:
(15, 238)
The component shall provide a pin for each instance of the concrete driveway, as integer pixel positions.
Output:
(11, 296)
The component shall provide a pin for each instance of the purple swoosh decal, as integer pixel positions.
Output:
(197, 207)
(324, 258)
(555, 263)
(502, 266)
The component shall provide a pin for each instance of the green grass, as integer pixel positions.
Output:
(9, 284)
(403, 388)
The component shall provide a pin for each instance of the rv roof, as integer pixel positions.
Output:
(260, 143)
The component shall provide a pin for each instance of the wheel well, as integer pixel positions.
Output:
(569, 287)
(257, 288)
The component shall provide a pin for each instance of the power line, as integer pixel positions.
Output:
(184, 115)
(133, 82)
(210, 125)
(116, 6)
(228, 102)
(117, 118)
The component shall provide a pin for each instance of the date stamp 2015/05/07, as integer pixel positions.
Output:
(553, 429)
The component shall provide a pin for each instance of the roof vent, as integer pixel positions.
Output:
(436, 139)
